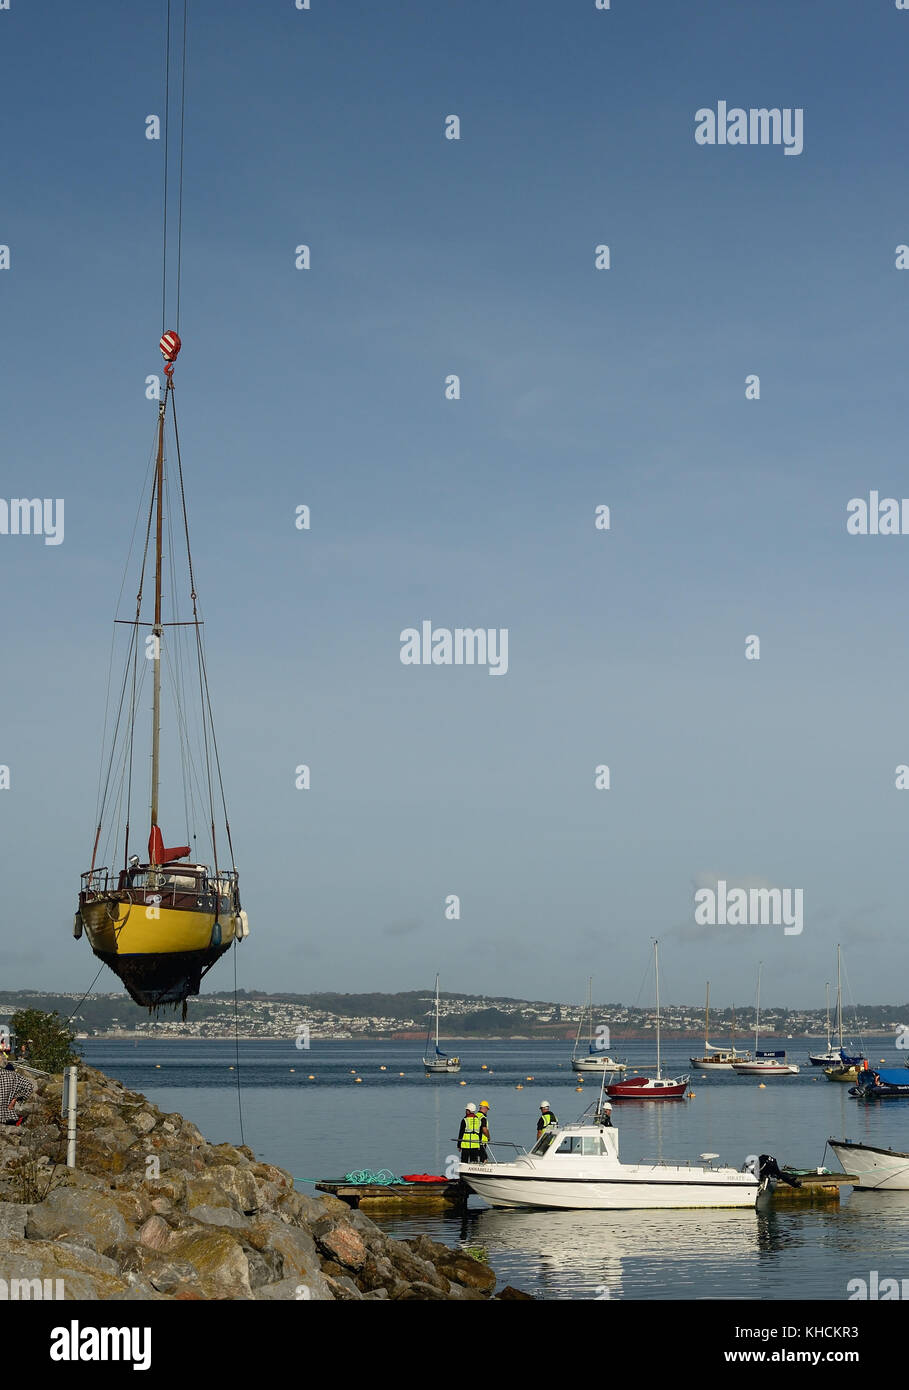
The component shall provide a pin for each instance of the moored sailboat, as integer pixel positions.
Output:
(597, 1057)
(764, 1063)
(717, 1058)
(847, 1066)
(651, 1087)
(438, 1062)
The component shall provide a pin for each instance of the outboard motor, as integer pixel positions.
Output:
(769, 1168)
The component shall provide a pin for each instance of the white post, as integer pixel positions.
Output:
(69, 1101)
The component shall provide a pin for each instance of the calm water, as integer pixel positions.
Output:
(330, 1125)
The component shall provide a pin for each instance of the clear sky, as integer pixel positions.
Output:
(579, 387)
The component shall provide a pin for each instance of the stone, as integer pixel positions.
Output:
(224, 1186)
(219, 1216)
(292, 1290)
(13, 1216)
(421, 1291)
(296, 1249)
(89, 1216)
(43, 1259)
(218, 1259)
(143, 1122)
(156, 1234)
(462, 1269)
(345, 1245)
(512, 1293)
(344, 1289)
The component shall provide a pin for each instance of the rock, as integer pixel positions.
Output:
(219, 1216)
(218, 1259)
(172, 1276)
(224, 1186)
(411, 1268)
(43, 1259)
(296, 1249)
(512, 1293)
(143, 1122)
(89, 1216)
(345, 1245)
(376, 1272)
(291, 1290)
(344, 1289)
(88, 1258)
(156, 1234)
(13, 1216)
(421, 1291)
(461, 1269)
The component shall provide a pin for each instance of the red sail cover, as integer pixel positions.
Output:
(157, 854)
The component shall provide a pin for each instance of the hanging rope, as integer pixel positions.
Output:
(179, 227)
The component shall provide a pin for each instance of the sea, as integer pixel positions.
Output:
(342, 1107)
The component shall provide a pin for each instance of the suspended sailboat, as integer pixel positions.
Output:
(161, 924)
(717, 1058)
(438, 1062)
(596, 1058)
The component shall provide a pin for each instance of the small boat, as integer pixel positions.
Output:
(717, 1058)
(650, 1087)
(846, 1067)
(438, 1062)
(596, 1058)
(831, 1057)
(881, 1084)
(764, 1063)
(873, 1168)
(577, 1167)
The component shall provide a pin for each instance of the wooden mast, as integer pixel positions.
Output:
(656, 966)
(157, 629)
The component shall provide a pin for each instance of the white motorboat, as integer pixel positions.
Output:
(577, 1166)
(886, 1169)
(596, 1058)
(717, 1058)
(438, 1062)
(764, 1063)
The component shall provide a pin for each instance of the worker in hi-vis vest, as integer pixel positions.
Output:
(546, 1117)
(470, 1136)
(484, 1130)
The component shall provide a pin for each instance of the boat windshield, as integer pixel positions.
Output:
(545, 1140)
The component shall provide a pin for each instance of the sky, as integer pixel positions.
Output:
(579, 388)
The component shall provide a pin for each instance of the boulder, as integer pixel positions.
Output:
(13, 1216)
(419, 1291)
(292, 1291)
(296, 1249)
(43, 1259)
(143, 1122)
(91, 1217)
(462, 1269)
(156, 1234)
(345, 1245)
(219, 1260)
(219, 1216)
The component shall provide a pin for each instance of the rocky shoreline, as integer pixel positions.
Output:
(154, 1211)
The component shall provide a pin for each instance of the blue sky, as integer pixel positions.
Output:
(579, 387)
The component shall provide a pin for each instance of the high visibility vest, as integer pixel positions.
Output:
(484, 1128)
(547, 1118)
(470, 1139)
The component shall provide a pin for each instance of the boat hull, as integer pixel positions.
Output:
(765, 1069)
(597, 1064)
(647, 1088)
(638, 1188)
(874, 1168)
(160, 953)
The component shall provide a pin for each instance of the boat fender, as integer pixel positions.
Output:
(77, 925)
(244, 925)
(216, 934)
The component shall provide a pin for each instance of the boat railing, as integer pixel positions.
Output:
(164, 884)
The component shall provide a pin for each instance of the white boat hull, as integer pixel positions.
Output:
(765, 1068)
(639, 1187)
(874, 1168)
(598, 1064)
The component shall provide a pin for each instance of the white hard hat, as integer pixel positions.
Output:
(472, 1108)
(544, 1104)
(607, 1106)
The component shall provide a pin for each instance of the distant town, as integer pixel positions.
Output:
(339, 1017)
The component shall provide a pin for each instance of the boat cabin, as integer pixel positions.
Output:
(577, 1141)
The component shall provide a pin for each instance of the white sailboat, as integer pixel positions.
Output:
(886, 1169)
(831, 1056)
(764, 1063)
(596, 1058)
(717, 1058)
(438, 1062)
(846, 1067)
(651, 1087)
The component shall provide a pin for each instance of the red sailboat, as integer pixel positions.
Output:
(651, 1087)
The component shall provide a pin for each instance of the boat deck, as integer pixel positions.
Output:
(815, 1187)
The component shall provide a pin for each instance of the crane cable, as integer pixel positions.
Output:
(179, 227)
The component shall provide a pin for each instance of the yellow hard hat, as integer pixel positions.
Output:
(484, 1104)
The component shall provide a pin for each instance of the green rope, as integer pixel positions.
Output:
(381, 1179)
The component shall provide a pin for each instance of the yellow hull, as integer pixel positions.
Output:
(128, 929)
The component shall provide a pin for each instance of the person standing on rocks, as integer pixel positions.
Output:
(13, 1088)
(547, 1118)
(470, 1136)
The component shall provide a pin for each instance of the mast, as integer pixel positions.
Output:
(656, 966)
(827, 996)
(733, 1030)
(589, 1014)
(437, 1015)
(757, 1016)
(156, 629)
(707, 1021)
(839, 999)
